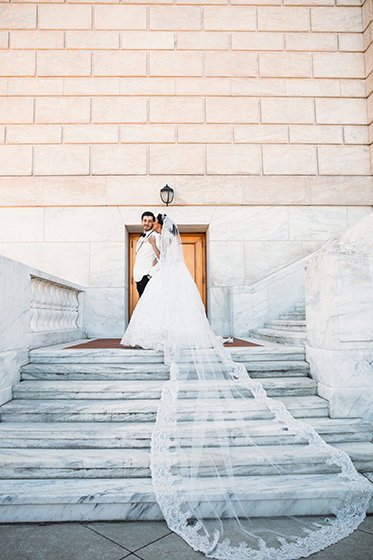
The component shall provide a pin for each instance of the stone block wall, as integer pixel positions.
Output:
(368, 48)
(202, 88)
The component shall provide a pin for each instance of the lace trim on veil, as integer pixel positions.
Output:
(172, 501)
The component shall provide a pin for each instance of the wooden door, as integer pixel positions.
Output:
(194, 249)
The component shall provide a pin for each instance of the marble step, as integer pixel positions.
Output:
(123, 499)
(94, 371)
(300, 306)
(268, 353)
(293, 315)
(286, 368)
(140, 357)
(96, 355)
(293, 338)
(135, 463)
(360, 453)
(118, 435)
(26, 410)
(150, 389)
(287, 325)
(53, 372)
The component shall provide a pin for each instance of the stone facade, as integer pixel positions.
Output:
(257, 113)
(339, 303)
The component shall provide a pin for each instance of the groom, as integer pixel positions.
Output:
(145, 255)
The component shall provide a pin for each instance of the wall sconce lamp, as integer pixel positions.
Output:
(167, 195)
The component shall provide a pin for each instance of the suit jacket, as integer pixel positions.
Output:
(145, 256)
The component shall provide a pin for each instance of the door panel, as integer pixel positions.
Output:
(194, 249)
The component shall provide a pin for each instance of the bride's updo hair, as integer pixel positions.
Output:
(171, 226)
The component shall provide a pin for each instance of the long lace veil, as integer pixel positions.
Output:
(208, 458)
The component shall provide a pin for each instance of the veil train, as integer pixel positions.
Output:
(206, 456)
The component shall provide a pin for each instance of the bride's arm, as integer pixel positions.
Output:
(152, 242)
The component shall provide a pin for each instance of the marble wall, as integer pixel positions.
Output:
(339, 307)
(14, 323)
(251, 306)
(88, 245)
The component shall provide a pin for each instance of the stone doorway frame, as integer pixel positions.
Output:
(196, 262)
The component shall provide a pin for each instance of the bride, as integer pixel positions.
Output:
(207, 460)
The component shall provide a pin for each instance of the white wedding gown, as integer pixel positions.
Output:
(205, 433)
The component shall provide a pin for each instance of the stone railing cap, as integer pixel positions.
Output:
(49, 277)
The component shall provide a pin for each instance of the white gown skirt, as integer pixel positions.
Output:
(169, 313)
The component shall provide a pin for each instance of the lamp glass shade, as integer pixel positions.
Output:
(167, 195)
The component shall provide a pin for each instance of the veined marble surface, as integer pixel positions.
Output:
(97, 499)
(124, 491)
(64, 353)
(107, 265)
(316, 222)
(249, 223)
(339, 310)
(105, 312)
(355, 299)
(15, 295)
(134, 389)
(354, 402)
(218, 302)
(64, 410)
(10, 365)
(341, 368)
(40, 339)
(264, 460)
(339, 298)
(14, 305)
(252, 306)
(65, 260)
(122, 435)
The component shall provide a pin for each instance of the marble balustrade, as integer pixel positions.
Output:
(36, 309)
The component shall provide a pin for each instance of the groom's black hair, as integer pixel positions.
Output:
(147, 213)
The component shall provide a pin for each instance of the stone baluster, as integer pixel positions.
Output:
(54, 307)
(34, 304)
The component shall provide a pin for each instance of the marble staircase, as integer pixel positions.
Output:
(75, 439)
(289, 329)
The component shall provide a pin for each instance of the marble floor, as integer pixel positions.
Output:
(135, 540)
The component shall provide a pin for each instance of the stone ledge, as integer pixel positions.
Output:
(190, 190)
(42, 339)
